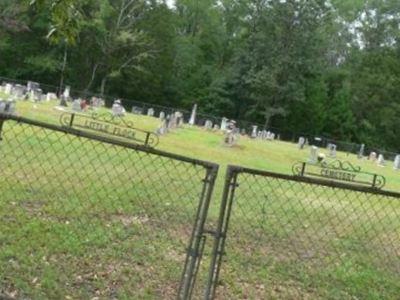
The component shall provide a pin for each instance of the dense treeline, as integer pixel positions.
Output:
(329, 67)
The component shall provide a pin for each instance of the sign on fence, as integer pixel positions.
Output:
(109, 124)
(339, 171)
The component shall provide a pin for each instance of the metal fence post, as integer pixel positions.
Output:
(1, 127)
(197, 240)
(221, 232)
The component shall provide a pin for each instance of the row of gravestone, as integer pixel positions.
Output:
(169, 122)
(82, 105)
(262, 134)
(332, 148)
(379, 159)
(34, 93)
(176, 120)
(208, 125)
(30, 92)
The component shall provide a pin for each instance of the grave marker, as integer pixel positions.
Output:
(361, 151)
(381, 160)
(150, 112)
(254, 132)
(192, 120)
(301, 143)
(208, 125)
(313, 155)
(224, 124)
(117, 109)
(332, 150)
(396, 165)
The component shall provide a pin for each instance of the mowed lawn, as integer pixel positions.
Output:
(198, 143)
(82, 220)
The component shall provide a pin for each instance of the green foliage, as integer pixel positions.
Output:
(310, 66)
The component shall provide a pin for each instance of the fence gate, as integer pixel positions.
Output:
(86, 216)
(291, 237)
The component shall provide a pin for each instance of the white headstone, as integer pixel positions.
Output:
(381, 160)
(137, 110)
(163, 128)
(31, 86)
(224, 123)
(117, 109)
(301, 142)
(32, 95)
(179, 119)
(231, 134)
(8, 88)
(270, 136)
(396, 165)
(172, 121)
(263, 134)
(332, 150)
(95, 102)
(66, 93)
(38, 94)
(372, 156)
(192, 120)
(150, 112)
(361, 151)
(254, 132)
(51, 96)
(162, 115)
(313, 155)
(208, 125)
(76, 105)
(19, 91)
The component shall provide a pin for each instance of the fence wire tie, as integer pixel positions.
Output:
(207, 180)
(214, 233)
(193, 253)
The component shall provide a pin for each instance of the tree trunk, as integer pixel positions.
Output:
(103, 85)
(89, 85)
(64, 65)
(267, 120)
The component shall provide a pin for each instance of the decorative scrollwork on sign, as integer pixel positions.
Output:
(107, 124)
(341, 165)
(297, 168)
(380, 182)
(152, 140)
(110, 118)
(339, 171)
(65, 119)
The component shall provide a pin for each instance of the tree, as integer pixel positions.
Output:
(118, 42)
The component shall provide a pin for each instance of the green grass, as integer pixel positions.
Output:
(195, 142)
(82, 219)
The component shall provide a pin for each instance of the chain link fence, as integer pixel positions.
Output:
(88, 217)
(286, 237)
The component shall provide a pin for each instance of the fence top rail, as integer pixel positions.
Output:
(108, 140)
(233, 169)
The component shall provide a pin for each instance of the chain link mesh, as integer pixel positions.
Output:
(85, 219)
(288, 239)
